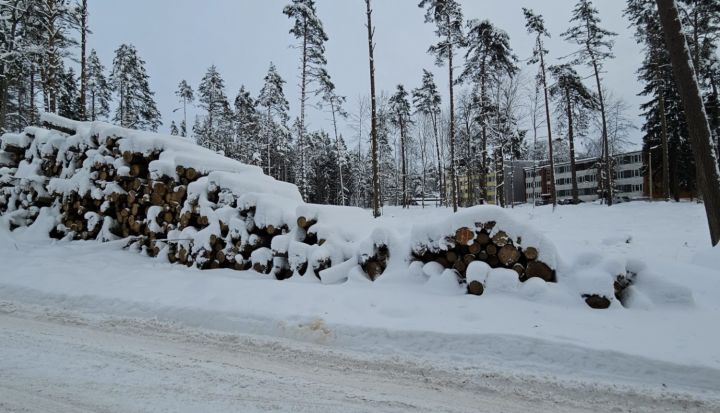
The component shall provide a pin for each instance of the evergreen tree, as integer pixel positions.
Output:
(174, 129)
(247, 129)
(18, 53)
(535, 24)
(448, 18)
(98, 89)
(55, 20)
(335, 102)
(212, 98)
(665, 126)
(596, 46)
(701, 23)
(136, 102)
(427, 102)
(69, 103)
(373, 114)
(309, 31)
(82, 17)
(708, 174)
(573, 100)
(488, 59)
(186, 95)
(400, 118)
(273, 107)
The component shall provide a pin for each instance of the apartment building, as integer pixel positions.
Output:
(628, 172)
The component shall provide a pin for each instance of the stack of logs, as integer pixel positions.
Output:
(484, 243)
(152, 213)
(161, 217)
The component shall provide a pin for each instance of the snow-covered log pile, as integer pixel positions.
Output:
(489, 237)
(172, 199)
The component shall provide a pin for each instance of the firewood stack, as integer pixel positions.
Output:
(172, 199)
(487, 243)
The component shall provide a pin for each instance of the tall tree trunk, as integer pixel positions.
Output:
(32, 94)
(470, 198)
(606, 144)
(303, 98)
(83, 59)
(184, 116)
(483, 136)
(268, 137)
(708, 176)
(337, 148)
(543, 77)
(439, 159)
(453, 171)
(665, 149)
(403, 162)
(571, 140)
(373, 113)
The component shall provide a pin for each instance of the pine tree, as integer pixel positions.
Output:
(19, 49)
(664, 118)
(447, 16)
(186, 95)
(708, 174)
(701, 21)
(488, 59)
(335, 102)
(82, 12)
(212, 98)
(98, 89)
(374, 155)
(596, 46)
(535, 24)
(247, 128)
(69, 103)
(427, 101)
(574, 101)
(136, 103)
(56, 20)
(400, 118)
(309, 31)
(274, 109)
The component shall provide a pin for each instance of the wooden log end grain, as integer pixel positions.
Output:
(464, 236)
(597, 302)
(475, 288)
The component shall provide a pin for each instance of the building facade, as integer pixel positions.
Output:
(628, 170)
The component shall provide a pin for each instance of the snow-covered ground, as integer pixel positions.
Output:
(88, 326)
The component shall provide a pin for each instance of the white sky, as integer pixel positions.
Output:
(180, 39)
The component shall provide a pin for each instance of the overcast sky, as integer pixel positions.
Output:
(180, 39)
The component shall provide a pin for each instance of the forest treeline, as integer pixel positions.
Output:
(500, 107)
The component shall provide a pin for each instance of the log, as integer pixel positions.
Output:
(501, 239)
(597, 302)
(520, 269)
(373, 269)
(451, 256)
(475, 288)
(191, 174)
(531, 253)
(305, 223)
(493, 261)
(464, 236)
(540, 270)
(491, 249)
(508, 255)
(475, 248)
(468, 258)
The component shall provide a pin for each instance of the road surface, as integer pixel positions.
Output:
(56, 361)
